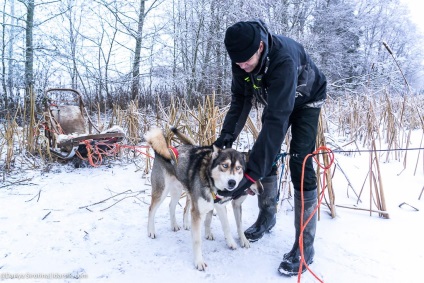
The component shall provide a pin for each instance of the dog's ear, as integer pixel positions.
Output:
(215, 152)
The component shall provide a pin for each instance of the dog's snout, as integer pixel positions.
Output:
(231, 183)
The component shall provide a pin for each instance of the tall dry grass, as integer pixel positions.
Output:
(370, 121)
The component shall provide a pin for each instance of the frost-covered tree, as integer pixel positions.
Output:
(335, 40)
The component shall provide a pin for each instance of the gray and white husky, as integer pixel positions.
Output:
(203, 172)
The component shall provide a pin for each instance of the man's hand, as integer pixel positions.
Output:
(224, 141)
(244, 184)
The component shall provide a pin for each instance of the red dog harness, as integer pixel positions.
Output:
(174, 154)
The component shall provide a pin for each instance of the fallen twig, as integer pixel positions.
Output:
(37, 195)
(134, 194)
(81, 207)
(45, 216)
(348, 181)
(404, 203)
(17, 182)
(120, 201)
(364, 209)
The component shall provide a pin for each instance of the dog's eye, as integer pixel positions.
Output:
(238, 168)
(224, 165)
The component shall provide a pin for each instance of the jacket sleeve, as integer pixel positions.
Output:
(247, 106)
(281, 89)
(239, 107)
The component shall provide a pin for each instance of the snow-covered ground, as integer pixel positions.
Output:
(64, 222)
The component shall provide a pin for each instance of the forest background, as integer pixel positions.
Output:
(142, 63)
(115, 52)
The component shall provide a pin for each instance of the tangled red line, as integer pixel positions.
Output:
(95, 152)
(303, 224)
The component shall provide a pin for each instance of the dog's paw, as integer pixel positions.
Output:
(244, 242)
(186, 226)
(200, 265)
(231, 244)
(209, 236)
(175, 228)
(151, 235)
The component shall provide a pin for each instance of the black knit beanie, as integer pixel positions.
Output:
(242, 41)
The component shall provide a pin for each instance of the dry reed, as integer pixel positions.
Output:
(321, 141)
(371, 121)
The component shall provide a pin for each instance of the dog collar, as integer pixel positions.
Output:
(216, 198)
(219, 199)
(174, 153)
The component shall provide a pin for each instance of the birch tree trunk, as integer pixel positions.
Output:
(29, 49)
(137, 53)
(3, 60)
(29, 75)
(11, 69)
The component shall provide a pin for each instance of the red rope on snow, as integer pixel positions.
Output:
(303, 225)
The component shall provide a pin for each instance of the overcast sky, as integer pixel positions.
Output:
(417, 8)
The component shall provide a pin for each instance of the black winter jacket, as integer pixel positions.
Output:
(285, 79)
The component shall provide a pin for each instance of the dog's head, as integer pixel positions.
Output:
(227, 168)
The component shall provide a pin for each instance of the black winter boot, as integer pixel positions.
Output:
(267, 203)
(291, 261)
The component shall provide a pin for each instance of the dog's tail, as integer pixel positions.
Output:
(183, 138)
(157, 141)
